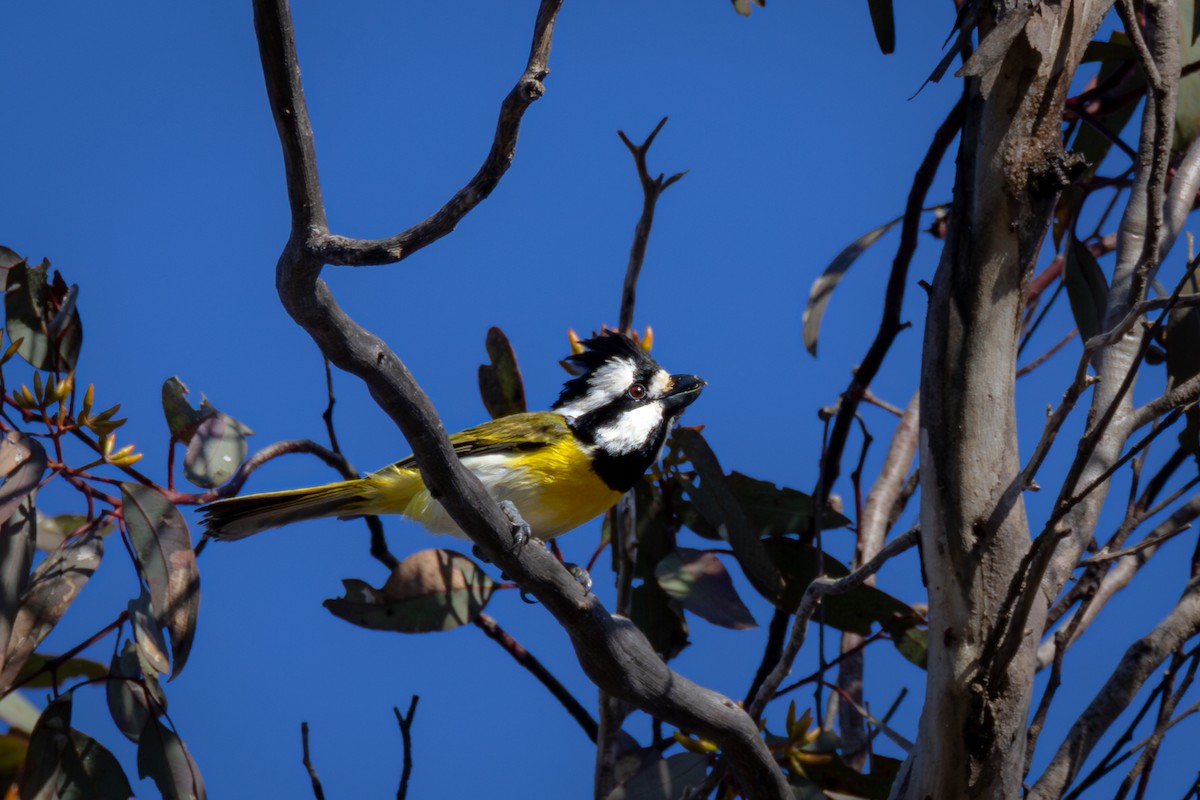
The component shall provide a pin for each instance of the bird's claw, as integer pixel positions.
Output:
(521, 531)
(580, 575)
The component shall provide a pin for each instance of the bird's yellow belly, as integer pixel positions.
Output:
(554, 489)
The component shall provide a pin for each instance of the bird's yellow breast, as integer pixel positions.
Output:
(563, 491)
(553, 487)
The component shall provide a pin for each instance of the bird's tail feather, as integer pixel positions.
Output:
(238, 517)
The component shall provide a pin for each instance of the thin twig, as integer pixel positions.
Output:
(612, 711)
(318, 792)
(1103, 555)
(652, 188)
(538, 670)
(406, 721)
(890, 323)
(816, 590)
(1046, 356)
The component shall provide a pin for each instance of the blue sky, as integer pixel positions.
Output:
(140, 157)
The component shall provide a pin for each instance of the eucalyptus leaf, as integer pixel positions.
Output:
(913, 644)
(163, 757)
(716, 502)
(1182, 344)
(658, 616)
(500, 383)
(822, 288)
(182, 418)
(883, 20)
(40, 311)
(663, 778)
(147, 633)
(129, 691)
(1187, 100)
(215, 450)
(164, 549)
(53, 586)
(90, 772)
(431, 590)
(855, 611)
(700, 582)
(1087, 289)
(43, 763)
(32, 675)
(13, 749)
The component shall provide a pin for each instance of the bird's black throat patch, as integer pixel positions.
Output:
(619, 471)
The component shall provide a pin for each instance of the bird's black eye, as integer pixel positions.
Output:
(636, 392)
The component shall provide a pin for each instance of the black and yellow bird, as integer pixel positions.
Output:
(560, 468)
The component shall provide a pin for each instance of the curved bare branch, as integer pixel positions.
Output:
(611, 650)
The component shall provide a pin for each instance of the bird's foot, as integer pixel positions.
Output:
(580, 575)
(521, 531)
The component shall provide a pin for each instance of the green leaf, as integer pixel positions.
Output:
(431, 590)
(163, 756)
(23, 462)
(913, 644)
(699, 581)
(182, 418)
(1181, 342)
(1114, 50)
(658, 616)
(839, 778)
(663, 778)
(12, 756)
(215, 450)
(775, 510)
(884, 22)
(53, 531)
(147, 632)
(8, 258)
(716, 502)
(1115, 112)
(53, 586)
(822, 288)
(500, 383)
(71, 668)
(1087, 289)
(164, 549)
(1187, 101)
(18, 713)
(855, 611)
(41, 312)
(43, 764)
(90, 772)
(132, 692)
(743, 6)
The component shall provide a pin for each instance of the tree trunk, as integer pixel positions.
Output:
(974, 535)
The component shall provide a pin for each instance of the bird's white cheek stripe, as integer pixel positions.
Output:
(605, 385)
(630, 431)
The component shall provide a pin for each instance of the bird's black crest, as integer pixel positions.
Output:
(597, 351)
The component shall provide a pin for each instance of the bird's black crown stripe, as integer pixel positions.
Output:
(598, 351)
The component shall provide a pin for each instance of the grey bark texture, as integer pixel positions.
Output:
(975, 539)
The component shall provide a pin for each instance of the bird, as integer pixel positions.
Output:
(560, 468)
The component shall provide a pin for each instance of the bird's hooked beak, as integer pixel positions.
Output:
(684, 389)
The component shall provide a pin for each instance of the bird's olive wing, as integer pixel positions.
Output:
(516, 432)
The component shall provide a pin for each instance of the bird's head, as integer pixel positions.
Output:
(622, 404)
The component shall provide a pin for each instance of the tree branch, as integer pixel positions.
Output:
(1139, 662)
(538, 670)
(611, 650)
(406, 721)
(889, 324)
(816, 590)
